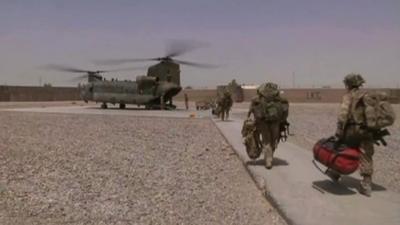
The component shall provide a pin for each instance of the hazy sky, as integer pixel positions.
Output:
(254, 40)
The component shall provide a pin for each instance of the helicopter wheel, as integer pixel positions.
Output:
(122, 106)
(162, 102)
(104, 105)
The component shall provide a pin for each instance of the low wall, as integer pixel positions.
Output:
(312, 95)
(322, 95)
(24, 93)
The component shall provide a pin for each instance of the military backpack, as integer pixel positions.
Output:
(276, 109)
(378, 111)
(251, 139)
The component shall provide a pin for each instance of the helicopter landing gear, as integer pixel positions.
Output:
(104, 105)
(162, 102)
(122, 106)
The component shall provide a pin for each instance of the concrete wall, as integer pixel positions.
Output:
(311, 95)
(20, 93)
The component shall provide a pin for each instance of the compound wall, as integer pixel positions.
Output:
(312, 95)
(20, 93)
(322, 95)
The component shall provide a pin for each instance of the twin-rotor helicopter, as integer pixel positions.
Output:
(154, 90)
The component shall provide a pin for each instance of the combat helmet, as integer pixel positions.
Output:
(268, 89)
(226, 92)
(353, 80)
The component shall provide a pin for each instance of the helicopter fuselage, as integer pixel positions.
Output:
(145, 91)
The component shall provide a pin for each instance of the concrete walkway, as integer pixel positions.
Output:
(305, 196)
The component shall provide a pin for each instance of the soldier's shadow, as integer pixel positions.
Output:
(346, 186)
(261, 162)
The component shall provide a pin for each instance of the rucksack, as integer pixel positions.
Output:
(270, 110)
(378, 111)
(250, 139)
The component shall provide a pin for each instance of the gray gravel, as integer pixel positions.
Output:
(93, 169)
(310, 122)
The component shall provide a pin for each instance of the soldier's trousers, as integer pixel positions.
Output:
(224, 113)
(270, 133)
(366, 162)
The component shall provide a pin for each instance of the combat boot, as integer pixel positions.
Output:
(365, 186)
(268, 157)
(335, 177)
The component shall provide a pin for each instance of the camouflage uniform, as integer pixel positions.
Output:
(224, 105)
(268, 130)
(351, 118)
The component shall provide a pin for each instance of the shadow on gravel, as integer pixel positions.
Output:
(346, 186)
(261, 162)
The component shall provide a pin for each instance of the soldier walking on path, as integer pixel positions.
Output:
(224, 105)
(360, 124)
(270, 113)
(186, 101)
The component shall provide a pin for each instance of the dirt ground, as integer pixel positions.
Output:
(311, 122)
(105, 169)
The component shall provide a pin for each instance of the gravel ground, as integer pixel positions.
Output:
(310, 122)
(94, 169)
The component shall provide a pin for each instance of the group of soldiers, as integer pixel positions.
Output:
(266, 125)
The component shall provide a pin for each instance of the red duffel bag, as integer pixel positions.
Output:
(340, 158)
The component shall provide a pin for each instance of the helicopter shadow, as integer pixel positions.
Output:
(346, 186)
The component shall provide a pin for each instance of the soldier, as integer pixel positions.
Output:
(186, 101)
(350, 126)
(224, 105)
(268, 111)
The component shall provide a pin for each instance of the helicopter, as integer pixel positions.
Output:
(154, 90)
(145, 90)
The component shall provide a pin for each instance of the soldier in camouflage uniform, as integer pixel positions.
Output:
(224, 105)
(269, 130)
(351, 121)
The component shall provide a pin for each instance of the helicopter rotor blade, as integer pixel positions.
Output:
(114, 62)
(179, 47)
(75, 70)
(78, 79)
(64, 68)
(199, 65)
(128, 69)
